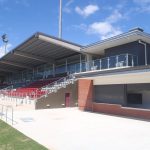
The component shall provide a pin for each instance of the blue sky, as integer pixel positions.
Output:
(84, 21)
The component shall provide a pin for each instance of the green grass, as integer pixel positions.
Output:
(11, 139)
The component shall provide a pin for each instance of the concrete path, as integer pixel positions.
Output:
(71, 129)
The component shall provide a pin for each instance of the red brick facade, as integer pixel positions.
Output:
(85, 102)
(119, 110)
(85, 94)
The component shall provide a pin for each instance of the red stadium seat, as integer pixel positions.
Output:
(33, 90)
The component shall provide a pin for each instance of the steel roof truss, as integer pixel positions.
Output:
(15, 64)
(31, 56)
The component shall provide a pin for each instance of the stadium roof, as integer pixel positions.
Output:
(41, 48)
(131, 36)
(38, 49)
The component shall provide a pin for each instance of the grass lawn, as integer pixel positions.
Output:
(11, 139)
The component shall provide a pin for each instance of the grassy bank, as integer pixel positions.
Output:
(11, 139)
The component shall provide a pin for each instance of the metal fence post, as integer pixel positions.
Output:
(132, 61)
(127, 60)
(100, 67)
(2, 112)
(108, 62)
(6, 113)
(117, 61)
(12, 116)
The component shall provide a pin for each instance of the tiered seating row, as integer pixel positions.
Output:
(33, 94)
(31, 91)
(3, 85)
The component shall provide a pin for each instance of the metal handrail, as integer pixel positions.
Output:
(55, 82)
(8, 88)
(115, 56)
(6, 113)
(34, 94)
(52, 87)
(56, 85)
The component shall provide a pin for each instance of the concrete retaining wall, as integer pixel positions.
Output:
(57, 100)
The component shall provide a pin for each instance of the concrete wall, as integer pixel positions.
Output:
(113, 94)
(146, 99)
(142, 76)
(116, 94)
(111, 99)
(55, 100)
(132, 48)
(144, 89)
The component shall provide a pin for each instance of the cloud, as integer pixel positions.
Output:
(67, 8)
(114, 17)
(82, 27)
(23, 2)
(103, 29)
(107, 28)
(2, 49)
(144, 5)
(69, 2)
(141, 2)
(87, 11)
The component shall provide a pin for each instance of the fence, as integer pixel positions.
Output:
(7, 113)
(111, 62)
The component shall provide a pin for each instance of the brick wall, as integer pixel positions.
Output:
(119, 110)
(85, 94)
(85, 102)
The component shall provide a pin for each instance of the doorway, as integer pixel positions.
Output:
(67, 99)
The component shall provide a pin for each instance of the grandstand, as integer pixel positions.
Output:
(110, 76)
(29, 70)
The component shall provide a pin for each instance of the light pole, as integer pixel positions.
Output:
(5, 41)
(60, 20)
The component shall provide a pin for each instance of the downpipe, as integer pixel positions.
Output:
(145, 48)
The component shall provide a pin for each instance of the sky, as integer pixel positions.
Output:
(84, 21)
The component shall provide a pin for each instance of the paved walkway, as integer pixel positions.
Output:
(71, 129)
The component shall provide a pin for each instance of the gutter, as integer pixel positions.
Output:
(145, 48)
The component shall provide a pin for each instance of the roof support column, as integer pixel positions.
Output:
(37, 71)
(45, 75)
(22, 76)
(88, 62)
(66, 65)
(80, 63)
(53, 70)
(33, 73)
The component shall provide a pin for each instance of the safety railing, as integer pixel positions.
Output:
(61, 83)
(28, 97)
(8, 87)
(112, 62)
(17, 98)
(7, 113)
